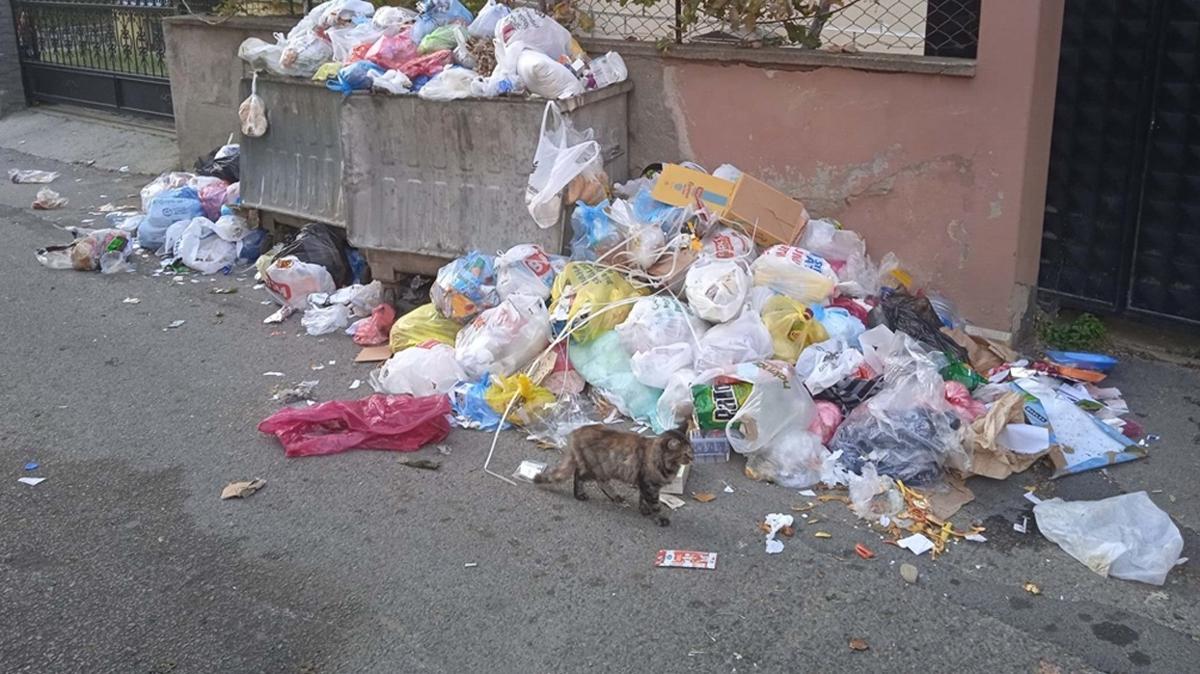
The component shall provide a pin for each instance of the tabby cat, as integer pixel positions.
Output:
(601, 454)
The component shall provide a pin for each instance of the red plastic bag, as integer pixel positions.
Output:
(428, 65)
(375, 330)
(826, 421)
(967, 408)
(392, 51)
(401, 423)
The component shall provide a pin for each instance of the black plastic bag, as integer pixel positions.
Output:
(324, 245)
(908, 445)
(915, 317)
(226, 167)
(850, 393)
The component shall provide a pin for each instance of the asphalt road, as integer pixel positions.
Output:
(125, 559)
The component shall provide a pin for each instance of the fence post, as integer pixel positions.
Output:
(678, 22)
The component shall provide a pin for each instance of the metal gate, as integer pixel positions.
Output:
(1122, 222)
(106, 53)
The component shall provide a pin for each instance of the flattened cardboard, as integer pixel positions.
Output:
(764, 213)
(679, 186)
(374, 354)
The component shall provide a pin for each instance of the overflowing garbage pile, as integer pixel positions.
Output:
(440, 52)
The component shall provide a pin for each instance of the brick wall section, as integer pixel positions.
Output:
(12, 91)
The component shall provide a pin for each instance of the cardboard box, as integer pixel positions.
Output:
(758, 209)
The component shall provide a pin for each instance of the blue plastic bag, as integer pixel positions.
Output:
(592, 230)
(181, 203)
(471, 409)
(605, 364)
(354, 77)
(436, 13)
(252, 245)
(839, 323)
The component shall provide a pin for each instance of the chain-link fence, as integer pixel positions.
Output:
(929, 27)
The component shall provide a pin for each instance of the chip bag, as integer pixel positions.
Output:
(465, 287)
(792, 326)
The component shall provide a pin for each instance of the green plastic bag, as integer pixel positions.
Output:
(962, 373)
(442, 37)
(716, 404)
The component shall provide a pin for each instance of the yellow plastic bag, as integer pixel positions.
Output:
(581, 296)
(530, 398)
(421, 325)
(792, 327)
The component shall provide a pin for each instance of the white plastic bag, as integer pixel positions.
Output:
(261, 55)
(392, 82)
(743, 340)
(253, 112)
(303, 53)
(485, 21)
(644, 241)
(391, 20)
(524, 269)
(231, 227)
(716, 289)
(419, 371)
(724, 243)
(345, 39)
(546, 77)
(659, 320)
(536, 30)
(795, 272)
(562, 154)
(1124, 536)
(448, 85)
(655, 366)
(290, 281)
(676, 402)
(609, 69)
(324, 320)
(773, 410)
(200, 248)
(824, 364)
(505, 338)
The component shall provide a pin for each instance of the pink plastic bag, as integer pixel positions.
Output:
(212, 197)
(392, 51)
(374, 330)
(967, 408)
(400, 423)
(429, 65)
(826, 421)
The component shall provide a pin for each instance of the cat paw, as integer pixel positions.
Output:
(664, 521)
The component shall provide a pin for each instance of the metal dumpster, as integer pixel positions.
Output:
(296, 168)
(415, 182)
(426, 181)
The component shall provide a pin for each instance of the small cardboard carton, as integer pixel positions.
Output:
(768, 215)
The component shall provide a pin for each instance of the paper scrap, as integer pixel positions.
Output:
(775, 522)
(704, 496)
(31, 481)
(272, 374)
(917, 544)
(355, 384)
(374, 354)
(1021, 527)
(1032, 498)
(807, 492)
(528, 470)
(470, 565)
(671, 501)
(175, 324)
(131, 300)
(686, 559)
(1024, 438)
(242, 489)
(975, 538)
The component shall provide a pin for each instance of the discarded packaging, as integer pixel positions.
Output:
(399, 423)
(47, 200)
(32, 176)
(686, 559)
(242, 489)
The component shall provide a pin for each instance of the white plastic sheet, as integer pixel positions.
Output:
(418, 371)
(562, 154)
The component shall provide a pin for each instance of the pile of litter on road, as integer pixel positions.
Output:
(441, 52)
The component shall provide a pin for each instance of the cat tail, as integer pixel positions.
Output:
(563, 470)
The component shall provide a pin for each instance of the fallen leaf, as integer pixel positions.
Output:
(823, 534)
(859, 645)
(423, 464)
(825, 498)
(1032, 588)
(704, 496)
(241, 489)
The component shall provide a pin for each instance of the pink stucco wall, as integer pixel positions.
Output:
(948, 172)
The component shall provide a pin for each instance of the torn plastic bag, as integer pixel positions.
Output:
(485, 21)
(426, 66)
(31, 176)
(593, 233)
(442, 37)
(824, 364)
(466, 287)
(401, 423)
(1124, 536)
(846, 252)
(536, 31)
(302, 53)
(436, 13)
(471, 409)
(200, 248)
(344, 40)
(589, 300)
(559, 417)
(355, 77)
(449, 85)
(826, 420)
(794, 460)
(562, 155)
(374, 329)
(604, 364)
(421, 325)
(504, 339)
(839, 324)
(291, 280)
(795, 272)
(546, 77)
(742, 340)
(524, 269)
(212, 198)
(519, 396)
(792, 326)
(716, 289)
(321, 244)
(424, 370)
(325, 320)
(915, 317)
(106, 250)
